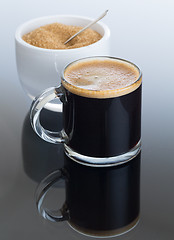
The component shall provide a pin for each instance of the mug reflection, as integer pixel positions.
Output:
(99, 201)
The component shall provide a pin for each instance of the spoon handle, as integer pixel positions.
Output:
(89, 25)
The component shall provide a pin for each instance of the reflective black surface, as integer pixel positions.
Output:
(26, 159)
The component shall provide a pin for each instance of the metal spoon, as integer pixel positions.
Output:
(89, 25)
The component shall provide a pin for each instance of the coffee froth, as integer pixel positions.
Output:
(101, 77)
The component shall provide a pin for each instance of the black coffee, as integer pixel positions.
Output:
(104, 199)
(102, 111)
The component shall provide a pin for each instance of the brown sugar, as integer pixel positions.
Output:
(53, 36)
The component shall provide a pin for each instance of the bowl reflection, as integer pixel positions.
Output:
(40, 158)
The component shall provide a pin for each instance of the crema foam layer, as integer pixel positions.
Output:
(101, 77)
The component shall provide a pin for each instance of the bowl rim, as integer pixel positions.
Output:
(19, 29)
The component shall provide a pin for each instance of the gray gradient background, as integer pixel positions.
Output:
(142, 32)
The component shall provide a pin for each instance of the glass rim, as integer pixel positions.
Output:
(63, 79)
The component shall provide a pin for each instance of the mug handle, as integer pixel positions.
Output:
(41, 191)
(36, 107)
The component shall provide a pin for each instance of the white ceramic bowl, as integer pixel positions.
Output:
(40, 68)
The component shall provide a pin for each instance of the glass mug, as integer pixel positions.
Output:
(96, 123)
(102, 141)
(99, 201)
